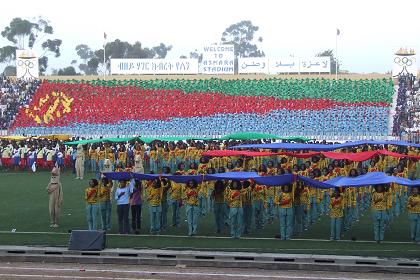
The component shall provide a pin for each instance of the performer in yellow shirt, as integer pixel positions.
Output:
(219, 205)
(235, 206)
(92, 209)
(101, 158)
(175, 198)
(413, 207)
(104, 198)
(190, 196)
(122, 156)
(154, 197)
(336, 214)
(93, 155)
(379, 213)
(247, 206)
(284, 200)
(259, 203)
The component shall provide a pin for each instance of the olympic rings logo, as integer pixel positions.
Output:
(405, 61)
(26, 63)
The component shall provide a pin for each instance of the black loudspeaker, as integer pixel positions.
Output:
(87, 240)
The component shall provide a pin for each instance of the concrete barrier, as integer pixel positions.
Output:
(210, 259)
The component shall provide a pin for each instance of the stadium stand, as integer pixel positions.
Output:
(407, 116)
(14, 95)
(316, 107)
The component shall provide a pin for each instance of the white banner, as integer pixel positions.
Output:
(285, 65)
(154, 66)
(404, 64)
(218, 59)
(251, 65)
(300, 65)
(27, 66)
(315, 65)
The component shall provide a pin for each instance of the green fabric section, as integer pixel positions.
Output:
(84, 142)
(236, 136)
(144, 139)
(343, 90)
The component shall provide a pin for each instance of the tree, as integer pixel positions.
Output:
(116, 49)
(330, 53)
(241, 35)
(43, 64)
(161, 51)
(8, 54)
(196, 55)
(9, 70)
(84, 52)
(26, 34)
(67, 71)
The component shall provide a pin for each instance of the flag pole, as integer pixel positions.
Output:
(336, 54)
(104, 54)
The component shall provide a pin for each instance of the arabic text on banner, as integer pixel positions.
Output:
(154, 66)
(253, 65)
(284, 65)
(315, 64)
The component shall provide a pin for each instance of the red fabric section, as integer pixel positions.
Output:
(362, 156)
(98, 104)
(233, 153)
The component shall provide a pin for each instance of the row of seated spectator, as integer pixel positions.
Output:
(14, 94)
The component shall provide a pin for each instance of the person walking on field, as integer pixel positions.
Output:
(55, 193)
(80, 161)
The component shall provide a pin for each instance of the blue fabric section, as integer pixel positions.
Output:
(183, 179)
(373, 178)
(314, 183)
(321, 147)
(232, 176)
(124, 176)
(279, 180)
(342, 122)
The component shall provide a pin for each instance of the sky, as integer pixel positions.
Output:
(370, 31)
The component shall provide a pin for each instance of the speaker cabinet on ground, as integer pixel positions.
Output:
(87, 240)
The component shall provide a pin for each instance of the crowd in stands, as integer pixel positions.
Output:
(14, 94)
(242, 206)
(407, 115)
(308, 107)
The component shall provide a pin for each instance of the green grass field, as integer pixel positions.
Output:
(24, 207)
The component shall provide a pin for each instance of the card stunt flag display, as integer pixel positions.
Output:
(303, 107)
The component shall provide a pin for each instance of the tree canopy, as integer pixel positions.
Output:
(116, 49)
(241, 35)
(26, 34)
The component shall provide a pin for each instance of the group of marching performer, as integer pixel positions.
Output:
(244, 206)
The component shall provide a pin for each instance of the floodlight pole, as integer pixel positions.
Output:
(336, 55)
